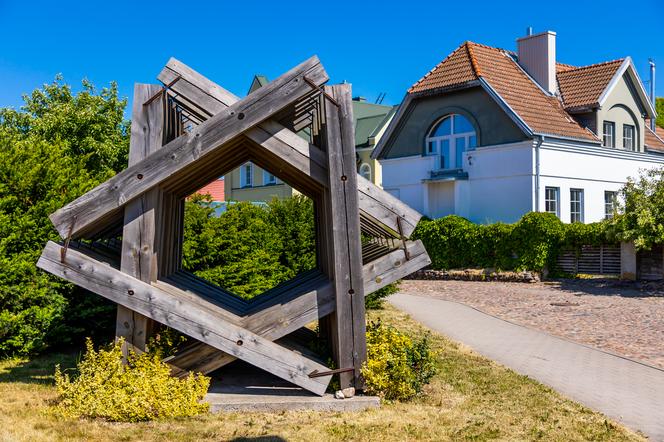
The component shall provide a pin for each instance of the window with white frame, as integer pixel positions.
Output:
(610, 198)
(449, 138)
(629, 143)
(269, 178)
(576, 205)
(609, 134)
(365, 171)
(247, 175)
(552, 200)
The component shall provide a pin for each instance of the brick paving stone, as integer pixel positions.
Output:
(619, 317)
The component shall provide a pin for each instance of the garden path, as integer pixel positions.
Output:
(628, 391)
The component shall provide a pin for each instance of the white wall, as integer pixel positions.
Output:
(593, 169)
(501, 184)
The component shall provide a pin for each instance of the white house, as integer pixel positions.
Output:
(490, 135)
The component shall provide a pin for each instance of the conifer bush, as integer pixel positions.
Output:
(397, 366)
(141, 390)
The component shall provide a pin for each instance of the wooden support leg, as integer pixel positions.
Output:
(348, 324)
(139, 231)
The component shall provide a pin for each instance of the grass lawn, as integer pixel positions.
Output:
(470, 398)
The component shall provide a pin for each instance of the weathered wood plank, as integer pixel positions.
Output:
(185, 153)
(349, 327)
(305, 309)
(139, 232)
(182, 315)
(374, 202)
(394, 266)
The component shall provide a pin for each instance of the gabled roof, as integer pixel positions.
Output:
(497, 71)
(583, 86)
(369, 119)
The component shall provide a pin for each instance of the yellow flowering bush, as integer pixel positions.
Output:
(140, 390)
(397, 366)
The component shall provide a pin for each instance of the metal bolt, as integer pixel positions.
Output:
(239, 342)
(351, 292)
(130, 292)
(139, 176)
(240, 116)
(344, 177)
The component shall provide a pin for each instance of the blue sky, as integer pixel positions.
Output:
(377, 46)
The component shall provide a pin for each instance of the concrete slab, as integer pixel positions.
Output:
(241, 387)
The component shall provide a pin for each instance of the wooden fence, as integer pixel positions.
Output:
(594, 260)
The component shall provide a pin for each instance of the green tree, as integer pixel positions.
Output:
(56, 147)
(659, 105)
(641, 212)
(249, 248)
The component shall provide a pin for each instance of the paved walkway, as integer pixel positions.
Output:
(628, 391)
(620, 317)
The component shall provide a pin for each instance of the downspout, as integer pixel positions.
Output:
(652, 91)
(540, 140)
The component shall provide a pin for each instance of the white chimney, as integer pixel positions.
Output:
(537, 56)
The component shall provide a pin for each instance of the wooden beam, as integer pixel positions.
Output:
(183, 315)
(186, 153)
(138, 258)
(374, 202)
(305, 309)
(348, 322)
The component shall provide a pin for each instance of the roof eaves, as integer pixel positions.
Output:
(627, 64)
(401, 111)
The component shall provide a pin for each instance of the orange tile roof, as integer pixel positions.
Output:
(581, 87)
(215, 189)
(655, 140)
(562, 67)
(544, 114)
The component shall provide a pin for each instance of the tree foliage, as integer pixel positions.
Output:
(659, 103)
(56, 147)
(641, 214)
(250, 248)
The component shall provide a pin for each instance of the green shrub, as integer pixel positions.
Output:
(249, 248)
(375, 300)
(53, 149)
(142, 390)
(532, 243)
(397, 366)
(536, 239)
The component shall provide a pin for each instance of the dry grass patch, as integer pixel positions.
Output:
(471, 398)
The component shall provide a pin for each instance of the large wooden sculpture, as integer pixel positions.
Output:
(122, 240)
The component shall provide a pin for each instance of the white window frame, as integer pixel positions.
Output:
(269, 179)
(432, 144)
(611, 136)
(574, 215)
(247, 178)
(555, 200)
(610, 198)
(632, 139)
(365, 171)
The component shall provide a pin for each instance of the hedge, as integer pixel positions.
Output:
(533, 243)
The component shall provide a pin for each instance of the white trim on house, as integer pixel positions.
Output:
(628, 64)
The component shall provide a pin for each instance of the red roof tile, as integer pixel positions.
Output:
(215, 189)
(655, 140)
(581, 87)
(544, 114)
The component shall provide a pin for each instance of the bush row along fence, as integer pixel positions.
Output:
(533, 243)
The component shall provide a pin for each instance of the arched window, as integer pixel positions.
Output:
(449, 138)
(365, 171)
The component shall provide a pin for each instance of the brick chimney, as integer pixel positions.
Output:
(537, 56)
